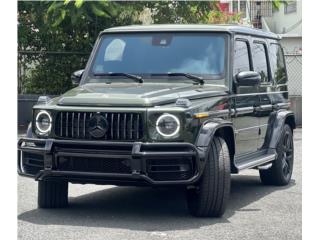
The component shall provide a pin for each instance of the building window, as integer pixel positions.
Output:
(290, 7)
(239, 6)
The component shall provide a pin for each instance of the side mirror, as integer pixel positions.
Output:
(248, 78)
(76, 77)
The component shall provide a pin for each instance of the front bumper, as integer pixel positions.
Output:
(118, 163)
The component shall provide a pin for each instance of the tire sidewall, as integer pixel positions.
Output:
(211, 194)
(278, 163)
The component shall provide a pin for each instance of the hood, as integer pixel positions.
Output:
(133, 94)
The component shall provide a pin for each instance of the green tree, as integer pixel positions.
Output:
(62, 27)
(47, 27)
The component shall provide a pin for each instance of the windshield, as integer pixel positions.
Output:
(153, 55)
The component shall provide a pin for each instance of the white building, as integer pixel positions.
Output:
(286, 21)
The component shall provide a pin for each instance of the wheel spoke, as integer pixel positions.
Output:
(289, 143)
(285, 169)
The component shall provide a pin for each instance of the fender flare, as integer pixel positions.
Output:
(209, 128)
(275, 125)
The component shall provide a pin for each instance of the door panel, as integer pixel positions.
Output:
(263, 113)
(246, 124)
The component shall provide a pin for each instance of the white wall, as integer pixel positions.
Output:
(280, 21)
(292, 44)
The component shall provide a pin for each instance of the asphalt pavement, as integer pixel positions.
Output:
(254, 211)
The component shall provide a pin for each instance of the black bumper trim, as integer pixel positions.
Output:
(138, 155)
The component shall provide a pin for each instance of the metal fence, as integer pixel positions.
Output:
(294, 69)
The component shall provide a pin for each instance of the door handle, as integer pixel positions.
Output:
(278, 106)
(262, 108)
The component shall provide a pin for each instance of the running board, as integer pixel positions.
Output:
(254, 161)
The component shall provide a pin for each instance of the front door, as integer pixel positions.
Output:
(246, 123)
(246, 99)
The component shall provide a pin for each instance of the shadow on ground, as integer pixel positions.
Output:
(146, 209)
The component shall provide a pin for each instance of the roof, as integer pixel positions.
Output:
(194, 27)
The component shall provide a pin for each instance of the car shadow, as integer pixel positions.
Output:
(147, 209)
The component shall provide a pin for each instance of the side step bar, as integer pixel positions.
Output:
(254, 161)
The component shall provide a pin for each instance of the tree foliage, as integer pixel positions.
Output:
(63, 27)
(49, 27)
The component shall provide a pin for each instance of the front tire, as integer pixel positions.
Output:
(281, 171)
(209, 198)
(52, 194)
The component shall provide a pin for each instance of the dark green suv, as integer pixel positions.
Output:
(166, 105)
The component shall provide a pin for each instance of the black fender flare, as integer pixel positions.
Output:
(224, 129)
(208, 130)
(275, 125)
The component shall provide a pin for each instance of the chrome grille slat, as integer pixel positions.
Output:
(84, 125)
(106, 136)
(124, 126)
(78, 125)
(131, 118)
(61, 123)
(72, 125)
(121, 126)
(67, 123)
(111, 125)
(118, 126)
(137, 127)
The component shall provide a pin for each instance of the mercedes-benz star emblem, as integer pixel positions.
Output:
(98, 126)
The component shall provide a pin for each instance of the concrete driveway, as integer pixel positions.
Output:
(254, 212)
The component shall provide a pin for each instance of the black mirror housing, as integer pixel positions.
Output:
(248, 78)
(76, 77)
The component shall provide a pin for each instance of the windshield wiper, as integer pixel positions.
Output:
(195, 78)
(131, 76)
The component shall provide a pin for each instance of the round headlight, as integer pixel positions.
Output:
(168, 125)
(43, 122)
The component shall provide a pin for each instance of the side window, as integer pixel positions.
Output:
(259, 57)
(277, 64)
(241, 57)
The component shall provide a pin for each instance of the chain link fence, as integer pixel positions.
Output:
(294, 70)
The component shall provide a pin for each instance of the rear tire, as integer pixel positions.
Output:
(52, 194)
(209, 198)
(281, 171)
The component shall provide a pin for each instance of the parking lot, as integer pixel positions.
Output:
(255, 211)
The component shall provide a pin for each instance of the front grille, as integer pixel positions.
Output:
(101, 165)
(121, 126)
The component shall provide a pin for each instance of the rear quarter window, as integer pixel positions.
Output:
(277, 64)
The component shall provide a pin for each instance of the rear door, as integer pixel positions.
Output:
(275, 91)
(260, 59)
